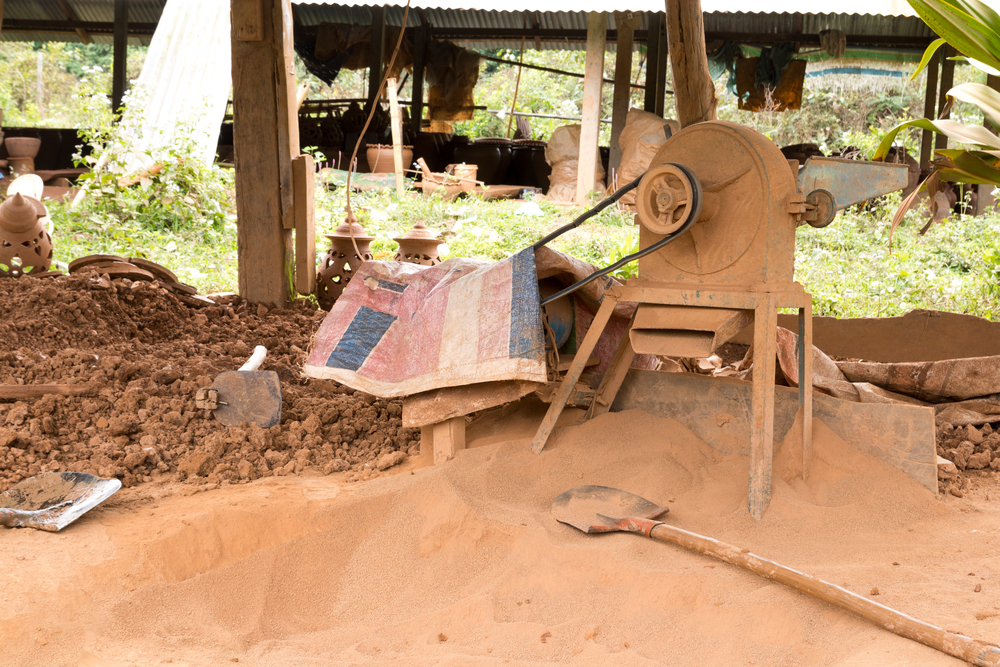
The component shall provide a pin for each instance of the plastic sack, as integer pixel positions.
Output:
(640, 140)
(563, 154)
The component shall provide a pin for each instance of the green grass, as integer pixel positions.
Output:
(848, 267)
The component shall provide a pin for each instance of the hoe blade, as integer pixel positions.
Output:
(53, 500)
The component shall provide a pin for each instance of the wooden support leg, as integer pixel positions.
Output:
(449, 438)
(426, 439)
(614, 376)
(573, 374)
(806, 382)
(762, 406)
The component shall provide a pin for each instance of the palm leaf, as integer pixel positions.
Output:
(984, 97)
(970, 26)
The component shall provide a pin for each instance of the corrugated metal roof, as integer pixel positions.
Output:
(100, 11)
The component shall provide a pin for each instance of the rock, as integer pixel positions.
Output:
(243, 469)
(102, 423)
(134, 460)
(973, 434)
(312, 424)
(389, 460)
(958, 458)
(946, 469)
(979, 461)
(122, 425)
(198, 462)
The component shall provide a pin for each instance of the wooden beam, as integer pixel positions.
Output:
(590, 124)
(626, 22)
(694, 92)
(304, 183)
(660, 83)
(71, 15)
(930, 107)
(262, 93)
(376, 54)
(120, 58)
(947, 81)
(419, 62)
(652, 60)
(71, 27)
(1, 17)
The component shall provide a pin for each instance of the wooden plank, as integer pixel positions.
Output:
(660, 83)
(376, 54)
(590, 125)
(947, 81)
(396, 128)
(1, 26)
(419, 62)
(694, 92)
(427, 440)
(716, 410)
(655, 20)
(449, 439)
(762, 406)
(263, 160)
(248, 20)
(626, 23)
(304, 179)
(68, 12)
(930, 110)
(119, 58)
(614, 376)
(437, 405)
(805, 384)
(573, 374)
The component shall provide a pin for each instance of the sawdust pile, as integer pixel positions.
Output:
(463, 564)
(146, 353)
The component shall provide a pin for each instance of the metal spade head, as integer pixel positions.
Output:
(248, 396)
(596, 509)
(53, 500)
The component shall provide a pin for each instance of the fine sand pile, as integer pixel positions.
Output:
(462, 564)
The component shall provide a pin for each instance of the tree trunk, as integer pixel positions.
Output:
(694, 92)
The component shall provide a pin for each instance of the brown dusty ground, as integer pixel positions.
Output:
(457, 564)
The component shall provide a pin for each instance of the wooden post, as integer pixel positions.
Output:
(655, 20)
(448, 439)
(694, 92)
(396, 128)
(762, 405)
(947, 81)
(930, 106)
(376, 55)
(118, 68)
(660, 84)
(984, 193)
(597, 27)
(419, 55)
(1, 16)
(625, 23)
(304, 187)
(263, 117)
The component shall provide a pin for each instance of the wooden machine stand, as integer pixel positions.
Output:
(733, 266)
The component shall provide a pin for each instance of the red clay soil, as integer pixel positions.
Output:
(147, 353)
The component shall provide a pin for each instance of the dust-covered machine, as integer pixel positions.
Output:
(718, 209)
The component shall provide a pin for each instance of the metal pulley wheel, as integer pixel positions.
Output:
(668, 196)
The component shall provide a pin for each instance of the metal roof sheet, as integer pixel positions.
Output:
(99, 11)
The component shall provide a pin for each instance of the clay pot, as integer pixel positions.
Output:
(22, 146)
(380, 160)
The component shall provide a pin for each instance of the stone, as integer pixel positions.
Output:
(198, 462)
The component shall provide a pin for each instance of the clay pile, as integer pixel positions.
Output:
(145, 353)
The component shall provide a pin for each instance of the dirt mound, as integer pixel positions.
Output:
(146, 353)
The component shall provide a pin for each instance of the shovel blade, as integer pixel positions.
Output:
(250, 396)
(596, 509)
(53, 500)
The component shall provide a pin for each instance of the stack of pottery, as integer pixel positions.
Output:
(21, 153)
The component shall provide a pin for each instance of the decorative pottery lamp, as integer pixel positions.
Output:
(341, 261)
(418, 246)
(25, 245)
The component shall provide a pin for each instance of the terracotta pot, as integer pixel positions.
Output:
(380, 160)
(22, 146)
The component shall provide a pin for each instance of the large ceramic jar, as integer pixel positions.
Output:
(485, 156)
(503, 146)
(526, 154)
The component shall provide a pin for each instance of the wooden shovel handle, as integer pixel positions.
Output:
(17, 391)
(959, 646)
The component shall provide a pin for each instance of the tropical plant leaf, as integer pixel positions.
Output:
(984, 97)
(967, 167)
(963, 134)
(932, 184)
(928, 54)
(970, 26)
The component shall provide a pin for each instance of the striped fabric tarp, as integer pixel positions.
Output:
(400, 329)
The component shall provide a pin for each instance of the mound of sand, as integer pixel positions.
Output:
(462, 563)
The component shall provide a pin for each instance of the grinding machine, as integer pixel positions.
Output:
(717, 211)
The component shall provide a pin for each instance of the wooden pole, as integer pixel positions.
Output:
(1, 17)
(597, 27)
(930, 106)
(655, 20)
(304, 184)
(694, 92)
(947, 81)
(419, 56)
(660, 83)
(263, 94)
(376, 55)
(119, 61)
(396, 126)
(626, 23)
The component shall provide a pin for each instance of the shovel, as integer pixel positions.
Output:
(246, 395)
(53, 500)
(601, 509)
